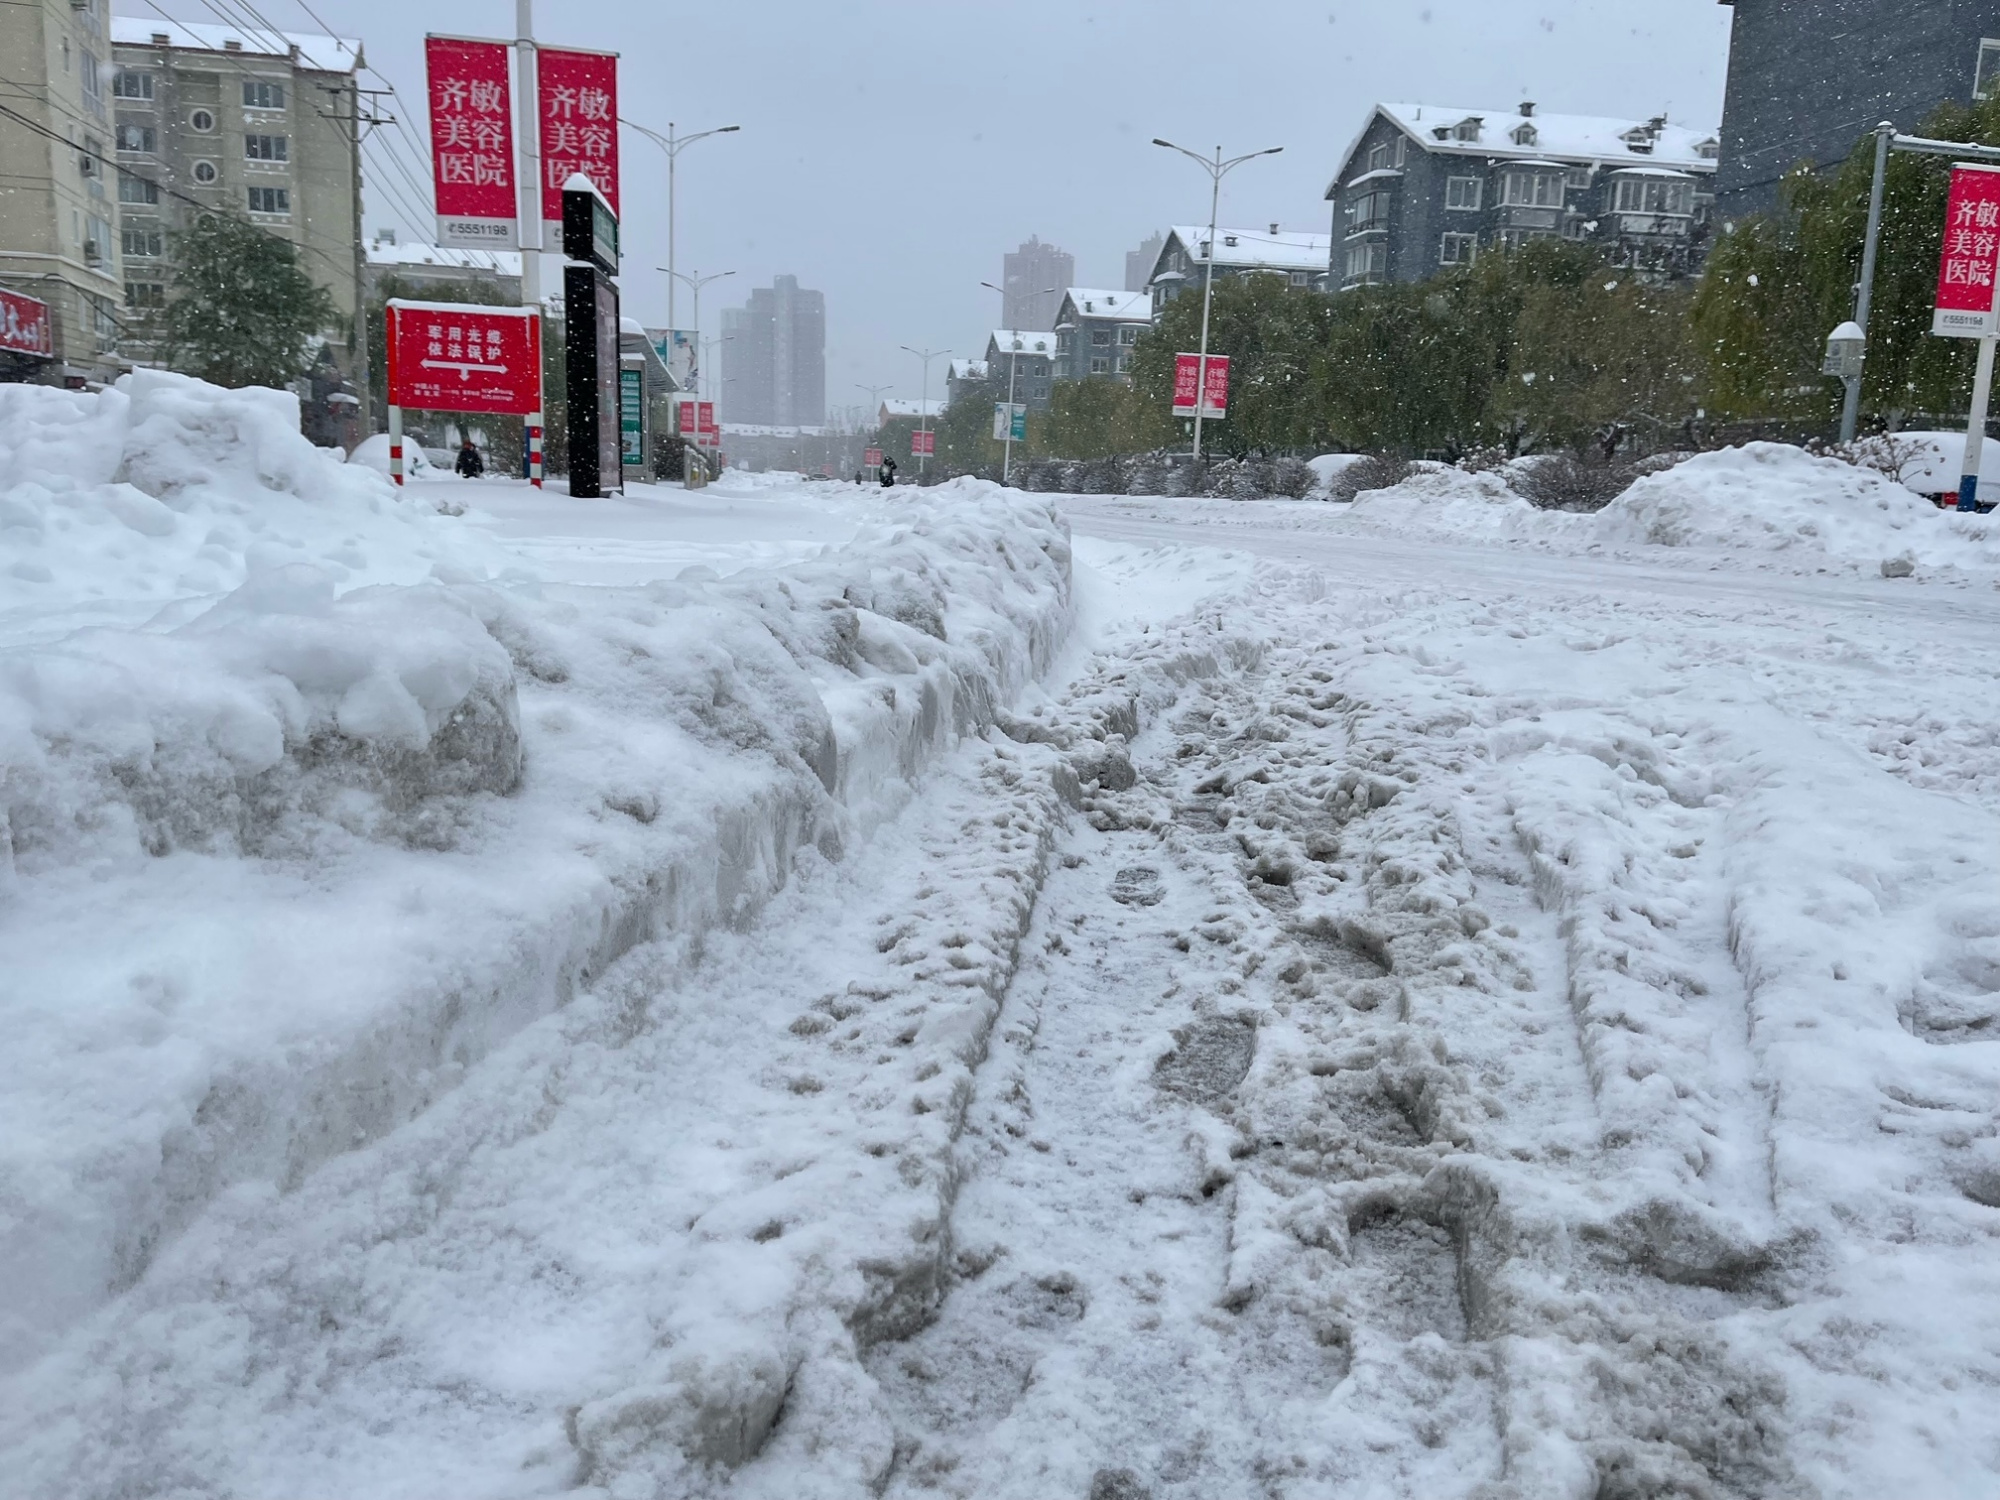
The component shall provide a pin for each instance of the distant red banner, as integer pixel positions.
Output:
(1187, 385)
(578, 94)
(872, 457)
(922, 444)
(698, 424)
(25, 326)
(444, 356)
(472, 142)
(1971, 254)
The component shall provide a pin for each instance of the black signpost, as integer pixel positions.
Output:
(590, 340)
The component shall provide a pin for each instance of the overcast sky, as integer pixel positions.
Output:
(893, 150)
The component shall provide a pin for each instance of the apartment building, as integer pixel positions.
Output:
(263, 124)
(1096, 330)
(1425, 187)
(57, 193)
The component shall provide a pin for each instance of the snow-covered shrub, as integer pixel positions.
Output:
(1292, 478)
(1562, 481)
(1371, 471)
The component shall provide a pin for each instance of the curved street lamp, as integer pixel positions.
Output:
(1217, 169)
(673, 145)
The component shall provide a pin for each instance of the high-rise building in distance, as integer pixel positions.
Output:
(774, 358)
(1034, 279)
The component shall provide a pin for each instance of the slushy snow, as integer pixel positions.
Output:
(1429, 997)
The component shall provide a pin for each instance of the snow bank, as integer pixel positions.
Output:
(1767, 497)
(330, 795)
(1438, 500)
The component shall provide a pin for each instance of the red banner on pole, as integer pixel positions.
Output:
(1971, 254)
(923, 444)
(1187, 384)
(871, 458)
(578, 92)
(25, 326)
(711, 430)
(472, 142)
(445, 356)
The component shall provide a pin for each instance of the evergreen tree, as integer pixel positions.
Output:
(242, 311)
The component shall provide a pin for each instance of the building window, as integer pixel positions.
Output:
(1100, 367)
(1576, 227)
(144, 244)
(266, 148)
(145, 296)
(1299, 278)
(270, 200)
(1464, 192)
(104, 323)
(1524, 134)
(142, 139)
(1386, 155)
(93, 81)
(1369, 212)
(1579, 177)
(1129, 334)
(1458, 249)
(96, 240)
(259, 93)
(1526, 189)
(1124, 364)
(1468, 129)
(1367, 261)
(1514, 239)
(202, 120)
(1100, 336)
(133, 189)
(1655, 195)
(91, 162)
(127, 84)
(205, 173)
(1986, 77)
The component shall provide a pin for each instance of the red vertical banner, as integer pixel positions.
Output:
(711, 434)
(923, 444)
(472, 142)
(578, 93)
(1188, 386)
(1966, 272)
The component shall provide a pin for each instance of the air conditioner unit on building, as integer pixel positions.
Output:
(93, 253)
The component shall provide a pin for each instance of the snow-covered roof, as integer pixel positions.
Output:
(898, 406)
(499, 262)
(1095, 302)
(1032, 341)
(966, 369)
(1570, 138)
(1257, 249)
(322, 54)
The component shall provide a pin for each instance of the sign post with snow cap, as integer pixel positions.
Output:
(447, 356)
(1968, 278)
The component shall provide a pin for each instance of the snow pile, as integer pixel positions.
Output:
(1440, 501)
(1768, 497)
(164, 488)
(351, 798)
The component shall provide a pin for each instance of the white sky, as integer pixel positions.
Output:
(893, 150)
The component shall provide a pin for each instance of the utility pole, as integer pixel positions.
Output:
(924, 403)
(1217, 170)
(1864, 293)
(673, 145)
(1013, 363)
(528, 184)
(355, 126)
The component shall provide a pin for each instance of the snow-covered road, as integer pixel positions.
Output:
(1382, 1015)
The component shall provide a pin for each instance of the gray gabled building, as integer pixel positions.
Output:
(1806, 80)
(1187, 258)
(1026, 357)
(1096, 331)
(1425, 187)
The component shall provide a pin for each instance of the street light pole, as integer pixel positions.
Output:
(1217, 170)
(673, 145)
(924, 402)
(1013, 362)
(696, 281)
(1864, 293)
